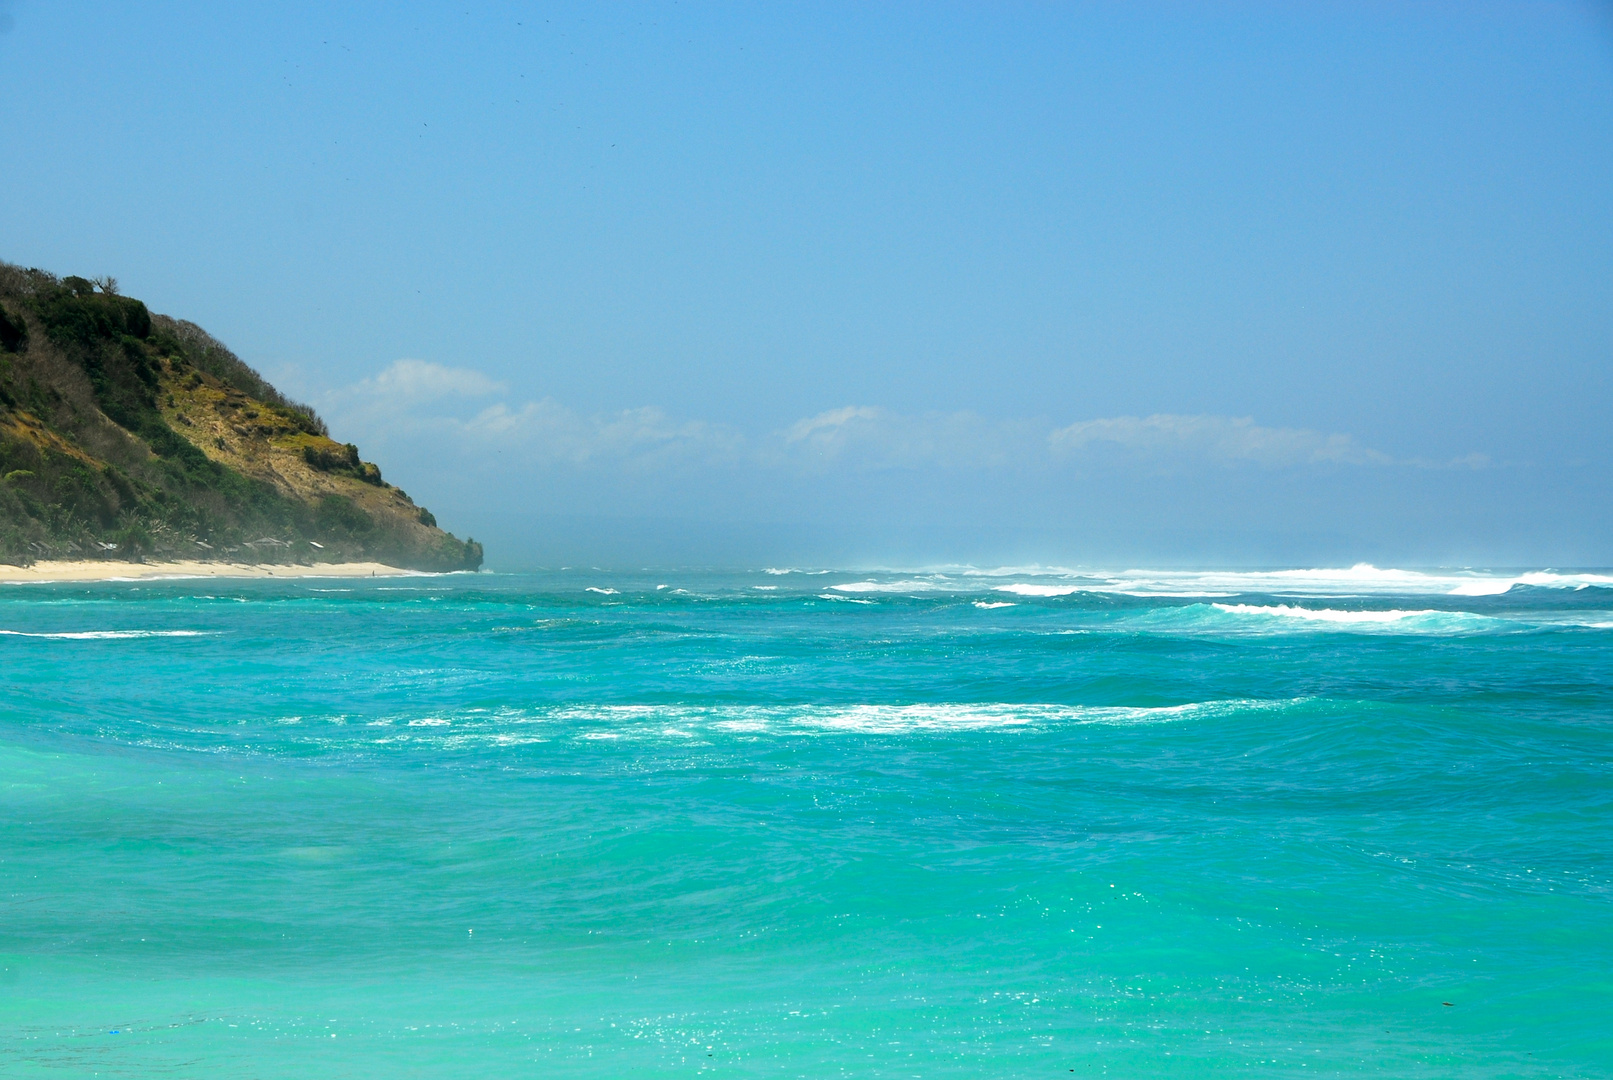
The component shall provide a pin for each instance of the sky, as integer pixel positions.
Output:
(848, 284)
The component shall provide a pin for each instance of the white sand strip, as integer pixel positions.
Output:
(127, 571)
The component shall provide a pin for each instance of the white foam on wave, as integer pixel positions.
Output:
(1289, 618)
(688, 721)
(1023, 589)
(1540, 579)
(988, 605)
(601, 592)
(697, 725)
(1362, 579)
(111, 635)
(843, 599)
(1145, 582)
(1284, 611)
(895, 719)
(907, 586)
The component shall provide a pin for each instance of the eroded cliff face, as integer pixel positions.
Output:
(127, 435)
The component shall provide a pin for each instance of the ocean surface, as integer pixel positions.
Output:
(784, 823)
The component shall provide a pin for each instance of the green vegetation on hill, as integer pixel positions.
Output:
(128, 435)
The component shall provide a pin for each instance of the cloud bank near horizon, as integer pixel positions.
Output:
(467, 414)
(544, 482)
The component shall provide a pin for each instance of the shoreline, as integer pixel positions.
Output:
(90, 571)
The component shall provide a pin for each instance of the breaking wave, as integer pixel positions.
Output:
(1291, 618)
(1025, 589)
(1284, 611)
(908, 586)
(1360, 580)
(479, 728)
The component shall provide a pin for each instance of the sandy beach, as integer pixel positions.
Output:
(124, 571)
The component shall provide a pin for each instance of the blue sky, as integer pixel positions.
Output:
(1243, 283)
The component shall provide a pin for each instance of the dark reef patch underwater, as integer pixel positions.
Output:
(790, 824)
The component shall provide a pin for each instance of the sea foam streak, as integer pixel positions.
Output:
(894, 719)
(1362, 579)
(1543, 579)
(1328, 614)
(1020, 589)
(1292, 618)
(907, 586)
(594, 722)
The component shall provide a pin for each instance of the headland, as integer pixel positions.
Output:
(130, 439)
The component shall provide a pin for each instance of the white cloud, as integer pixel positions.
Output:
(1465, 461)
(871, 438)
(417, 399)
(828, 431)
(408, 382)
(1220, 439)
(550, 432)
(865, 437)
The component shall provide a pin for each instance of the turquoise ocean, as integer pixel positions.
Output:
(1024, 822)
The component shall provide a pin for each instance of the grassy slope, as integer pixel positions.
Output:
(120, 428)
